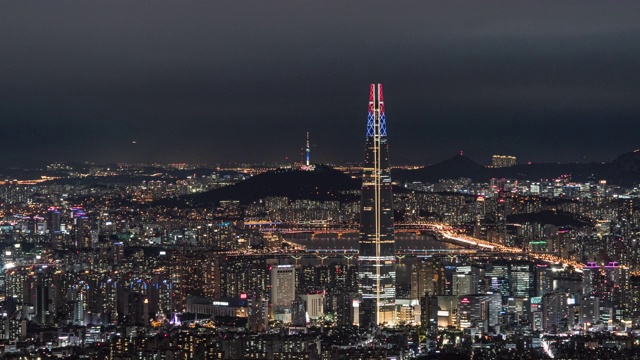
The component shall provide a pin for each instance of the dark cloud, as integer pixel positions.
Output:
(244, 81)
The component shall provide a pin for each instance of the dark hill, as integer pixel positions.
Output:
(547, 217)
(323, 184)
(623, 171)
(629, 162)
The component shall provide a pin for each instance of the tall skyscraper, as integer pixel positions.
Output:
(377, 270)
(54, 220)
(283, 287)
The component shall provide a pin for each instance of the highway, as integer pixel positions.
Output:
(441, 232)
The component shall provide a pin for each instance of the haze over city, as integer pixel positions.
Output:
(214, 82)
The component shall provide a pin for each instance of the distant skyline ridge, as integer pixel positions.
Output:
(623, 170)
(21, 162)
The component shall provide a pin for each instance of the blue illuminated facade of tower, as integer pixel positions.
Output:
(376, 272)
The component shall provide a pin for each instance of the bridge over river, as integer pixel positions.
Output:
(408, 243)
(326, 240)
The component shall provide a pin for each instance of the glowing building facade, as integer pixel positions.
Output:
(377, 273)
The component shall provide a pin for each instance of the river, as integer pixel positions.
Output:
(350, 241)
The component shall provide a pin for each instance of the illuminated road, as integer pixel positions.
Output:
(450, 234)
(442, 232)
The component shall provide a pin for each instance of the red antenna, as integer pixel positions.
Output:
(461, 153)
(380, 99)
(372, 90)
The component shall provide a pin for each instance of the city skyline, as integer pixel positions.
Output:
(314, 275)
(211, 83)
(187, 181)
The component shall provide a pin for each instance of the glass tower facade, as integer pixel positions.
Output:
(377, 274)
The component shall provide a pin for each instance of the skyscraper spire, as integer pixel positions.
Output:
(308, 149)
(376, 105)
(376, 275)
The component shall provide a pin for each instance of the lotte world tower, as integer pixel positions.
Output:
(377, 267)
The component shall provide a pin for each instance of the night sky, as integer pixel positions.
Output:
(220, 81)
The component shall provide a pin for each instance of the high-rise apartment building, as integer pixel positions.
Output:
(500, 161)
(283, 287)
(555, 311)
(427, 277)
(479, 311)
(521, 280)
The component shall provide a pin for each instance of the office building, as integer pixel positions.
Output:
(377, 275)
